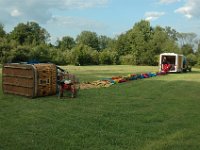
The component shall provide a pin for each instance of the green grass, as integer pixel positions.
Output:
(91, 73)
(159, 113)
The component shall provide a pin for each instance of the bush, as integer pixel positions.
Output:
(20, 54)
(81, 55)
(126, 59)
(192, 59)
(58, 57)
(108, 57)
(95, 57)
(5, 52)
(41, 53)
(105, 58)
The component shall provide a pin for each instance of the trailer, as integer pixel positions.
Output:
(178, 62)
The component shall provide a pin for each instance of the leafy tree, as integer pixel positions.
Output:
(198, 54)
(81, 55)
(198, 62)
(192, 59)
(198, 48)
(171, 47)
(95, 57)
(41, 53)
(108, 57)
(123, 45)
(162, 42)
(2, 32)
(19, 33)
(5, 50)
(29, 34)
(58, 56)
(38, 34)
(104, 42)
(172, 33)
(139, 45)
(186, 38)
(20, 54)
(139, 37)
(187, 49)
(88, 38)
(67, 43)
(126, 59)
(105, 58)
(159, 40)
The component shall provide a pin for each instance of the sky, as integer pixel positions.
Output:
(105, 17)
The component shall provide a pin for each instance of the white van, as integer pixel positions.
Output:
(177, 62)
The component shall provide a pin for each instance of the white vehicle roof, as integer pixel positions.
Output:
(170, 54)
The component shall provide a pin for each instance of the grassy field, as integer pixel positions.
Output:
(159, 113)
(91, 73)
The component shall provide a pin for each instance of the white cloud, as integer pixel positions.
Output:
(84, 3)
(41, 10)
(168, 1)
(76, 23)
(15, 13)
(153, 15)
(190, 9)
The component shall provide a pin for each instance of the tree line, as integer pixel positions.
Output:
(140, 45)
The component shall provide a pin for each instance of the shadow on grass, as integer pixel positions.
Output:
(194, 72)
